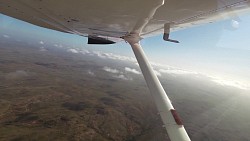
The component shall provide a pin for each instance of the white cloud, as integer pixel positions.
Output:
(123, 77)
(120, 57)
(6, 36)
(72, 50)
(99, 54)
(111, 56)
(127, 69)
(231, 83)
(84, 52)
(157, 73)
(116, 73)
(108, 69)
(58, 45)
(41, 42)
(43, 49)
(137, 64)
(176, 71)
(91, 73)
(156, 64)
(235, 24)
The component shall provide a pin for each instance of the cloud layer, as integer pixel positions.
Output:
(176, 71)
(127, 69)
(6, 36)
(117, 73)
(72, 50)
(159, 69)
(41, 42)
(108, 69)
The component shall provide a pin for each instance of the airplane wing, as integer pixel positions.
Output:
(112, 19)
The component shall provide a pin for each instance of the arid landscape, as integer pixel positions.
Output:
(53, 93)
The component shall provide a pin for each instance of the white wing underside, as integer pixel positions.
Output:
(116, 18)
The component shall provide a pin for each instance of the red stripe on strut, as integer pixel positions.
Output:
(176, 117)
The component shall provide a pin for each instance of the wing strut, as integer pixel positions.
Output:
(171, 120)
(169, 116)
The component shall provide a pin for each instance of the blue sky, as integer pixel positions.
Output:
(216, 48)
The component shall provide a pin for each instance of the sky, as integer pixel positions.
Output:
(219, 49)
